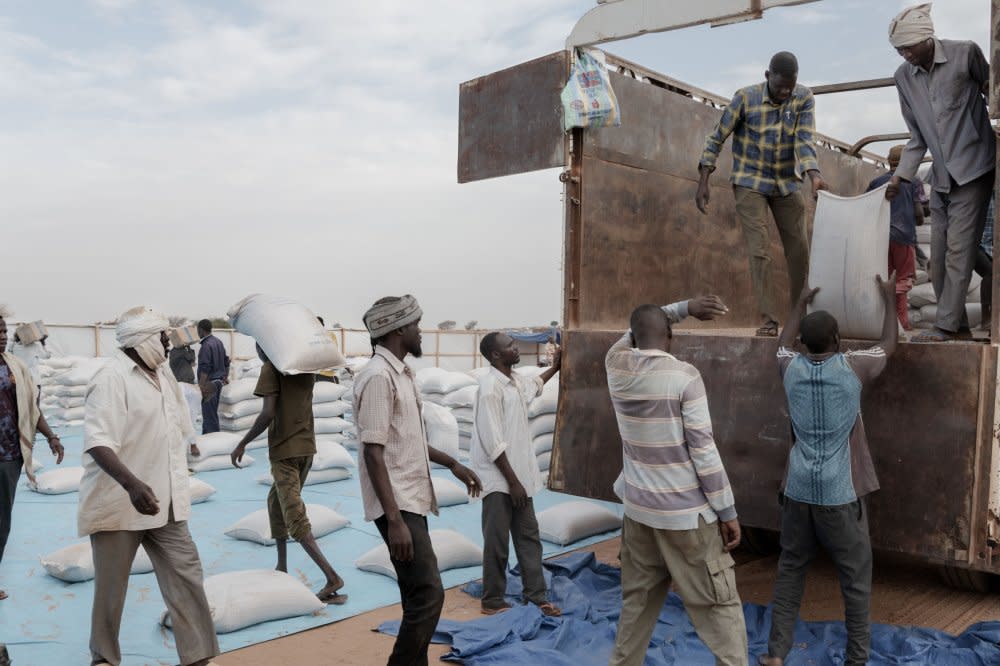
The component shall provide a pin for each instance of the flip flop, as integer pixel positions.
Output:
(933, 335)
(333, 598)
(494, 611)
(768, 330)
(549, 610)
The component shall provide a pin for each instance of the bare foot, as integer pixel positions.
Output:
(328, 594)
(3, 595)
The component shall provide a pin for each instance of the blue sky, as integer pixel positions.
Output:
(184, 154)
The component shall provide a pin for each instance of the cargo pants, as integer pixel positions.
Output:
(705, 577)
(285, 509)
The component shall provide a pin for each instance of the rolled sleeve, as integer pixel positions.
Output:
(489, 425)
(676, 312)
(105, 412)
(374, 415)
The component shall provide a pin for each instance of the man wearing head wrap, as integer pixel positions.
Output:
(942, 87)
(774, 147)
(135, 491)
(19, 419)
(907, 213)
(394, 469)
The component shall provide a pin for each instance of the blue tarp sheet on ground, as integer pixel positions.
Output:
(589, 593)
(46, 621)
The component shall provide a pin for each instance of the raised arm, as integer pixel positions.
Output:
(791, 330)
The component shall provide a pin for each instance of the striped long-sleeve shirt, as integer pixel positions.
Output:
(672, 473)
(774, 144)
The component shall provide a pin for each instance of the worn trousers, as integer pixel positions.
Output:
(842, 531)
(179, 575)
(705, 577)
(903, 260)
(959, 217)
(501, 523)
(210, 410)
(420, 591)
(10, 474)
(285, 508)
(790, 217)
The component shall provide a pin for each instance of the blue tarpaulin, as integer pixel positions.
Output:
(539, 337)
(589, 593)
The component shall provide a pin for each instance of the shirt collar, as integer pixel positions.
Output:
(939, 57)
(393, 360)
(496, 374)
(651, 352)
(767, 96)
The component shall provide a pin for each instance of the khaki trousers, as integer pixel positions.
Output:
(706, 581)
(178, 572)
(790, 216)
(285, 508)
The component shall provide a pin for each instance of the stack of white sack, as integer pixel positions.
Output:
(542, 421)
(329, 410)
(214, 450)
(923, 304)
(64, 387)
(238, 406)
(442, 430)
(454, 390)
(349, 436)
(248, 368)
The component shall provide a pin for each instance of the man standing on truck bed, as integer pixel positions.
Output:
(773, 128)
(829, 470)
(941, 90)
(680, 516)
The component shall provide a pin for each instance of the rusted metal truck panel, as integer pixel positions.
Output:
(633, 235)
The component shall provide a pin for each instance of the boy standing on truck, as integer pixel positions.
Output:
(829, 470)
(680, 516)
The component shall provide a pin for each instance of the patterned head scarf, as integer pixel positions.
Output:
(391, 313)
(911, 26)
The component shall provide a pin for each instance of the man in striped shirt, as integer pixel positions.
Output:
(829, 470)
(680, 516)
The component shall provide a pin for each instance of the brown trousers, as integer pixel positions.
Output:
(285, 508)
(790, 216)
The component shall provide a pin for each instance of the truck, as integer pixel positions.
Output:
(632, 235)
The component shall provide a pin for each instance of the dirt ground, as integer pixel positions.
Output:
(904, 593)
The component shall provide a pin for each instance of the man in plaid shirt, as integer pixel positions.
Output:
(773, 128)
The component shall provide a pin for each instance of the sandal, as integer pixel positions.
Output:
(493, 611)
(768, 330)
(933, 335)
(549, 609)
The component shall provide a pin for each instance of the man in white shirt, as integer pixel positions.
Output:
(504, 458)
(135, 491)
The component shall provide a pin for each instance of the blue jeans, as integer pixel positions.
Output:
(210, 410)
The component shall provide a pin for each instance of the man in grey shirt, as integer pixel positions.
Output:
(941, 90)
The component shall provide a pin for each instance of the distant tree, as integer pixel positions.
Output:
(471, 325)
(220, 322)
(446, 325)
(553, 323)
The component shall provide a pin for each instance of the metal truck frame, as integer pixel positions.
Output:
(633, 235)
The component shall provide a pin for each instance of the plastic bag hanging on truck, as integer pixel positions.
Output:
(850, 245)
(587, 99)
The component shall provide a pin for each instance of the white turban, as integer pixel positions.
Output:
(139, 324)
(911, 26)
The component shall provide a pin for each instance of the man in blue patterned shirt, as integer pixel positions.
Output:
(774, 146)
(829, 470)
